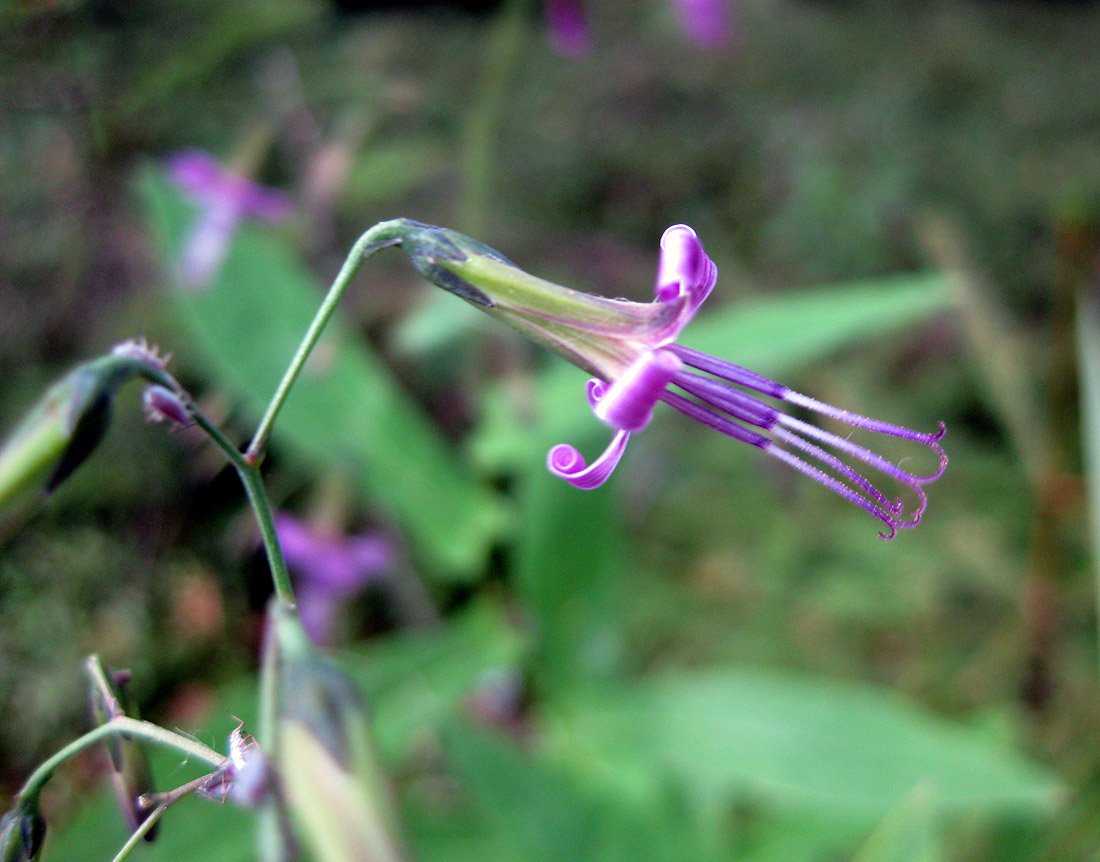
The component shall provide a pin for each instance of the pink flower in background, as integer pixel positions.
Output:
(330, 569)
(568, 28)
(224, 198)
(706, 22)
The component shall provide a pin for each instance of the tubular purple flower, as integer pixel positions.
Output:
(630, 349)
(727, 398)
(224, 198)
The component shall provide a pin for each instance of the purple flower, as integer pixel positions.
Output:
(568, 27)
(330, 569)
(706, 22)
(727, 398)
(224, 199)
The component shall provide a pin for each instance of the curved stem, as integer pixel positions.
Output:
(378, 237)
(122, 725)
(164, 801)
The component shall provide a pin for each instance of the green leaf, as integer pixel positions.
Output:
(776, 334)
(906, 834)
(347, 411)
(830, 748)
(540, 815)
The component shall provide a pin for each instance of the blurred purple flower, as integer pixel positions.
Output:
(706, 22)
(224, 198)
(330, 569)
(648, 361)
(568, 28)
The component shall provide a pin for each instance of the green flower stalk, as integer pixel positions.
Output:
(131, 772)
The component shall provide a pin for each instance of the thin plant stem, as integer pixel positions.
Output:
(135, 838)
(164, 802)
(261, 506)
(249, 473)
(377, 237)
(116, 726)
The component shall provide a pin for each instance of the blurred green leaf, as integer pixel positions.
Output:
(414, 680)
(839, 749)
(386, 171)
(775, 334)
(906, 834)
(544, 816)
(346, 411)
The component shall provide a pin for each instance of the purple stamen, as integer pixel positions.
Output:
(728, 371)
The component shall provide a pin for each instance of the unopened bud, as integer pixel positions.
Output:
(164, 405)
(21, 832)
(329, 771)
(69, 421)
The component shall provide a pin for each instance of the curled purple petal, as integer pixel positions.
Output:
(684, 268)
(628, 403)
(565, 462)
(594, 390)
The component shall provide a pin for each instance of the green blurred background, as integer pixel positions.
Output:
(707, 658)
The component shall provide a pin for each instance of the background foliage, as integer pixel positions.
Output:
(705, 658)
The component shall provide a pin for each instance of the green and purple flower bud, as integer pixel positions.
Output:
(21, 832)
(66, 425)
(631, 350)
